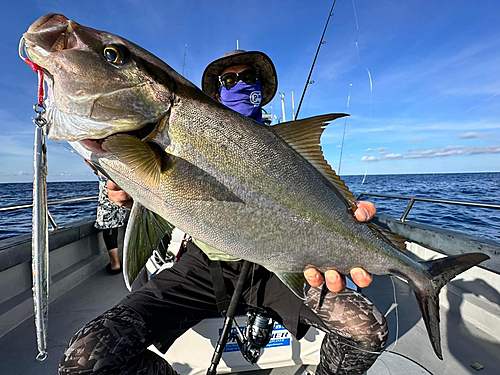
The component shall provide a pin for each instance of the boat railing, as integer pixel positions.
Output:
(412, 200)
(51, 203)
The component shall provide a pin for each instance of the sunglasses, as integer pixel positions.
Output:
(248, 76)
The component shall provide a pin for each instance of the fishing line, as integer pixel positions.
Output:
(251, 283)
(67, 148)
(359, 57)
(389, 351)
(387, 313)
(345, 124)
(484, 101)
(387, 367)
(308, 97)
(412, 360)
(396, 311)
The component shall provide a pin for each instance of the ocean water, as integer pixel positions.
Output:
(465, 187)
(14, 223)
(469, 187)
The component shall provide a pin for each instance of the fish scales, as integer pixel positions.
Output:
(274, 184)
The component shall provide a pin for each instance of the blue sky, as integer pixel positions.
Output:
(435, 69)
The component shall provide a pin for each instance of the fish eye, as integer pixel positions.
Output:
(115, 54)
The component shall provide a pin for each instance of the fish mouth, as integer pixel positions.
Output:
(95, 145)
(53, 32)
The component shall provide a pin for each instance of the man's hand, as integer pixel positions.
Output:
(366, 211)
(118, 196)
(335, 282)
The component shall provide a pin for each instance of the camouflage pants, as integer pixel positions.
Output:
(116, 342)
(356, 332)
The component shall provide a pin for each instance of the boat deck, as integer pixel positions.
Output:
(463, 343)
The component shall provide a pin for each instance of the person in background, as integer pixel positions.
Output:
(109, 218)
(179, 297)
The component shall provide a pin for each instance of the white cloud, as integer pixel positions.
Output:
(381, 150)
(456, 125)
(393, 156)
(369, 158)
(473, 135)
(61, 174)
(438, 152)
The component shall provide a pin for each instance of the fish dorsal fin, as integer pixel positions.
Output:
(389, 237)
(145, 231)
(304, 136)
(145, 162)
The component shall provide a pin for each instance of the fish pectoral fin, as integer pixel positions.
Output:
(304, 137)
(388, 237)
(295, 281)
(146, 161)
(145, 231)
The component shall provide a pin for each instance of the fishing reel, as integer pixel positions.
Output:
(256, 335)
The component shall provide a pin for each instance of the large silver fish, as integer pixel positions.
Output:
(262, 194)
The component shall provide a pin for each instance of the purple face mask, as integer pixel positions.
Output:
(244, 98)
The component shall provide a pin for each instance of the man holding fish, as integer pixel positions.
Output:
(242, 190)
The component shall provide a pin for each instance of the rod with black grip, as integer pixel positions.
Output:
(228, 322)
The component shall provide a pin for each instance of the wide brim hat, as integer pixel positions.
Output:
(258, 60)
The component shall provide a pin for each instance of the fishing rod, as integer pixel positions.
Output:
(184, 63)
(315, 57)
(229, 319)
